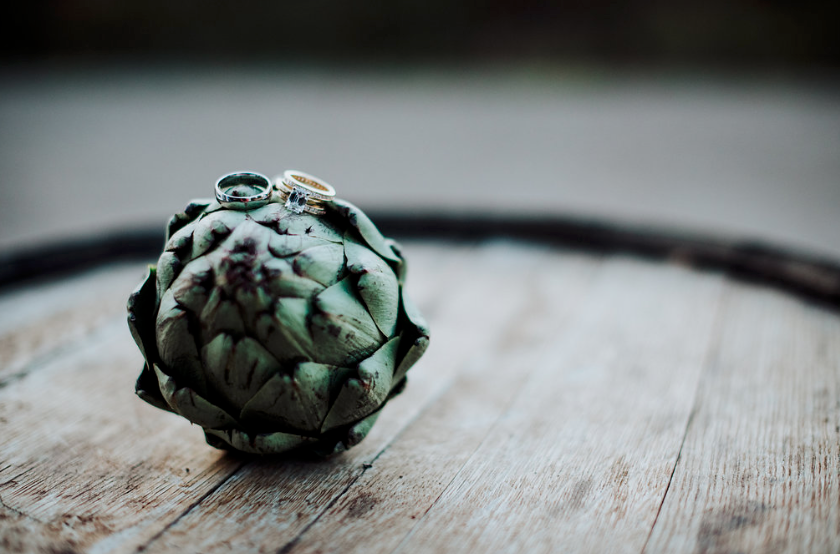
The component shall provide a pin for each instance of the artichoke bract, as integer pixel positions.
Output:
(274, 330)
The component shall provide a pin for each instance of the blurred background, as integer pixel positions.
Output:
(717, 117)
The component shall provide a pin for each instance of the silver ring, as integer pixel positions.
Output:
(234, 202)
(302, 192)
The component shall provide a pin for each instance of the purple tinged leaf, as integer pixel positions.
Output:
(252, 302)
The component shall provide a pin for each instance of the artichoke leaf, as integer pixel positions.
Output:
(252, 302)
(190, 287)
(367, 230)
(259, 443)
(147, 387)
(181, 241)
(410, 358)
(361, 395)
(342, 327)
(176, 344)
(323, 264)
(188, 403)
(361, 429)
(237, 370)
(168, 268)
(209, 232)
(402, 266)
(287, 331)
(247, 238)
(415, 318)
(216, 356)
(281, 280)
(141, 316)
(377, 285)
(220, 316)
(289, 223)
(351, 437)
(193, 210)
(229, 218)
(417, 332)
(299, 401)
(283, 246)
(266, 215)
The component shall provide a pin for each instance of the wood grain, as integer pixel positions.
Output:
(84, 465)
(760, 468)
(582, 457)
(38, 319)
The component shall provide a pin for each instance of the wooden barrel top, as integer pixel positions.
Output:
(571, 401)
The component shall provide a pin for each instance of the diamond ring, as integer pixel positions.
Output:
(303, 192)
(236, 190)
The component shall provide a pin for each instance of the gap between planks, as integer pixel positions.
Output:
(713, 347)
(760, 470)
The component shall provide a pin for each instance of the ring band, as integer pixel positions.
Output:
(303, 192)
(235, 202)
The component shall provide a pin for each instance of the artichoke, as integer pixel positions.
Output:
(273, 330)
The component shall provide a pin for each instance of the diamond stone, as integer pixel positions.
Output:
(296, 201)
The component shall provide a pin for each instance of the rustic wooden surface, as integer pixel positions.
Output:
(569, 402)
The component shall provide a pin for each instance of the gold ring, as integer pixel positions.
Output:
(302, 192)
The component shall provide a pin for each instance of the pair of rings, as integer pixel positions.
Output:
(300, 192)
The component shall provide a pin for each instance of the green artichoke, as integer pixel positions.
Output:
(274, 330)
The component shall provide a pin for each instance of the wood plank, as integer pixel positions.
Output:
(580, 459)
(38, 319)
(270, 502)
(85, 466)
(760, 467)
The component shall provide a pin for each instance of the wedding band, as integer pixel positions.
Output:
(302, 192)
(249, 178)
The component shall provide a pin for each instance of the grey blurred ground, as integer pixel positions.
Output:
(95, 150)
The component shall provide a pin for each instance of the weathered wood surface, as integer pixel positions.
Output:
(569, 402)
